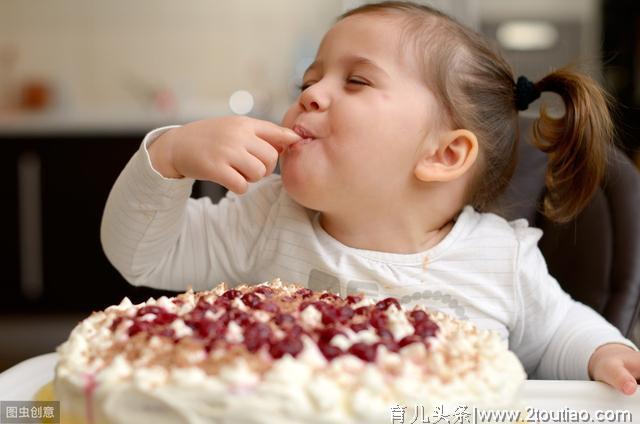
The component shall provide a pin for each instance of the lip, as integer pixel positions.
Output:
(307, 135)
(304, 132)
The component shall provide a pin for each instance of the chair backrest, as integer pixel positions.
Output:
(595, 257)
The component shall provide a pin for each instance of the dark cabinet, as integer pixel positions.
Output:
(77, 175)
(54, 191)
(9, 242)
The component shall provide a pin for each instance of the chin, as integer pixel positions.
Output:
(302, 189)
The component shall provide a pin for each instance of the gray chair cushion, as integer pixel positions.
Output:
(595, 257)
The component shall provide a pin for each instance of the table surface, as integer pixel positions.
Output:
(22, 381)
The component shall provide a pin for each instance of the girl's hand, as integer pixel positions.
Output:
(617, 365)
(232, 151)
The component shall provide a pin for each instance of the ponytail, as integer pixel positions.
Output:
(577, 143)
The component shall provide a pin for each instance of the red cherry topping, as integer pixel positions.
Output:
(378, 319)
(328, 333)
(256, 335)
(116, 322)
(385, 334)
(241, 317)
(268, 306)
(198, 312)
(207, 328)
(284, 319)
(360, 326)
(165, 318)
(203, 305)
(363, 351)
(330, 351)
(409, 340)
(231, 294)
(362, 310)
(329, 296)
(345, 313)
(384, 304)
(425, 329)
(304, 293)
(264, 290)
(222, 302)
(329, 316)
(353, 299)
(296, 331)
(418, 316)
(225, 318)
(337, 314)
(168, 332)
(289, 345)
(251, 300)
(322, 306)
(139, 326)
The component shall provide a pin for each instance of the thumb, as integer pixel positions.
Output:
(621, 379)
(279, 137)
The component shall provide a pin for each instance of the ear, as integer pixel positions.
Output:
(455, 153)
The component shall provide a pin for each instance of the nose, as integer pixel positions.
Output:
(314, 98)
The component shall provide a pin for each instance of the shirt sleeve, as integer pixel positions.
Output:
(554, 336)
(155, 235)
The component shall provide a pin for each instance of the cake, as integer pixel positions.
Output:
(277, 353)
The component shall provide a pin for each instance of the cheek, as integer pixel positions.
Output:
(290, 115)
(388, 144)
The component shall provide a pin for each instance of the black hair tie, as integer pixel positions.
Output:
(526, 93)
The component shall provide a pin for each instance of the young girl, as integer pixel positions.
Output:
(404, 133)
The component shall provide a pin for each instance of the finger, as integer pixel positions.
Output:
(232, 180)
(266, 153)
(249, 166)
(279, 137)
(630, 387)
(620, 378)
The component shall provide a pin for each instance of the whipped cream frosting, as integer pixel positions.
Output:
(127, 364)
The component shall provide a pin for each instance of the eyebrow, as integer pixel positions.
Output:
(350, 60)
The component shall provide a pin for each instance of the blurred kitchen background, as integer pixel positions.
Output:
(82, 81)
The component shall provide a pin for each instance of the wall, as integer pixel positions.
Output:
(119, 55)
(110, 54)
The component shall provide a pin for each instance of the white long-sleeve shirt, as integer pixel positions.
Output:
(486, 269)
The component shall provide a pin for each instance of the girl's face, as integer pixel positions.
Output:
(365, 113)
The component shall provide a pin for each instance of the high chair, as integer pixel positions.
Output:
(595, 257)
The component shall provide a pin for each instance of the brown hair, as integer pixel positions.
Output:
(476, 87)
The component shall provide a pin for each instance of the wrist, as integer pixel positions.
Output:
(160, 154)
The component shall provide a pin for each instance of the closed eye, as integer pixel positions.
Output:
(354, 81)
(357, 81)
(304, 86)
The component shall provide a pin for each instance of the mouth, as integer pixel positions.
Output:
(307, 135)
